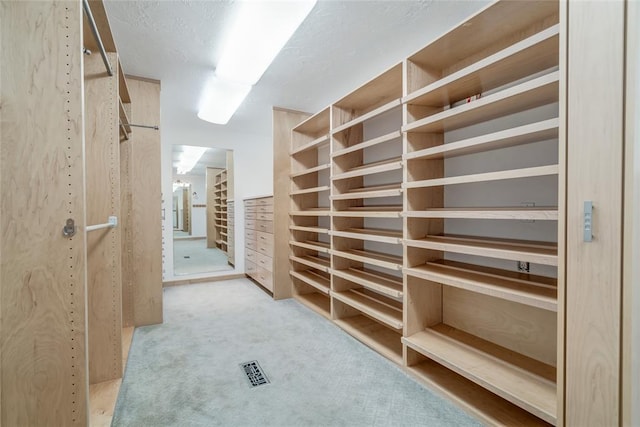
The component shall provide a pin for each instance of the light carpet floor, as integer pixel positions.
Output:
(186, 371)
(199, 258)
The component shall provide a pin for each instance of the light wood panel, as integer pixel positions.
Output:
(283, 122)
(125, 222)
(631, 292)
(43, 341)
(593, 269)
(525, 329)
(486, 406)
(146, 203)
(489, 366)
(104, 259)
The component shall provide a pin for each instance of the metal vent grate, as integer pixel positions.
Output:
(254, 373)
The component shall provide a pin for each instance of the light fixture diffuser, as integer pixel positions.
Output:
(221, 99)
(260, 30)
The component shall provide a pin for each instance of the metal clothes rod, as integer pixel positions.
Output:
(144, 126)
(113, 222)
(96, 35)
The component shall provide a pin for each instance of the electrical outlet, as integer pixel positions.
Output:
(523, 266)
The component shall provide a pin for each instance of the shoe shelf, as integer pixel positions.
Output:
(417, 197)
(309, 213)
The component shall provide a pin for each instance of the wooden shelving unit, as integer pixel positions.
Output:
(443, 175)
(310, 213)
(220, 211)
(460, 308)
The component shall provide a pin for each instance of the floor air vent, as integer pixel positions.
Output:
(254, 373)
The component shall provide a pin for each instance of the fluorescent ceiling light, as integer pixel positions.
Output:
(220, 100)
(188, 158)
(260, 30)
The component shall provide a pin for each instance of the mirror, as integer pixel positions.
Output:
(202, 194)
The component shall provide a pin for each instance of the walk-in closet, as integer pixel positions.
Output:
(415, 213)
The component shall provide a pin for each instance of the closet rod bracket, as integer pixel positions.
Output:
(69, 229)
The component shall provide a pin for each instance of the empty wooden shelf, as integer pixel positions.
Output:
(520, 380)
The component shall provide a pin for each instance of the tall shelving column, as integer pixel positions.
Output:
(481, 194)
(310, 213)
(366, 233)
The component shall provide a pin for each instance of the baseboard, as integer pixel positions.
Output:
(171, 283)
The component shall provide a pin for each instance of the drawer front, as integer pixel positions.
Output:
(250, 202)
(264, 201)
(253, 208)
(266, 238)
(264, 261)
(250, 235)
(266, 226)
(250, 215)
(265, 278)
(265, 208)
(251, 256)
(250, 268)
(264, 216)
(264, 249)
(250, 224)
(251, 244)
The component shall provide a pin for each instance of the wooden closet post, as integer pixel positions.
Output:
(631, 279)
(104, 260)
(283, 122)
(43, 336)
(595, 117)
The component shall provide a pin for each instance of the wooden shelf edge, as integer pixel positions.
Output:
(479, 402)
(316, 143)
(368, 143)
(515, 213)
(369, 257)
(520, 387)
(370, 169)
(351, 326)
(519, 291)
(532, 172)
(524, 95)
(371, 308)
(310, 170)
(372, 280)
(310, 190)
(514, 250)
(318, 282)
(533, 132)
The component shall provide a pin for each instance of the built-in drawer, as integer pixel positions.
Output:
(265, 208)
(251, 256)
(251, 202)
(266, 226)
(262, 237)
(250, 268)
(265, 278)
(264, 216)
(253, 208)
(264, 248)
(264, 201)
(264, 261)
(250, 215)
(250, 224)
(250, 234)
(251, 244)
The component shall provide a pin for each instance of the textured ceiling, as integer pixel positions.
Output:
(341, 45)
